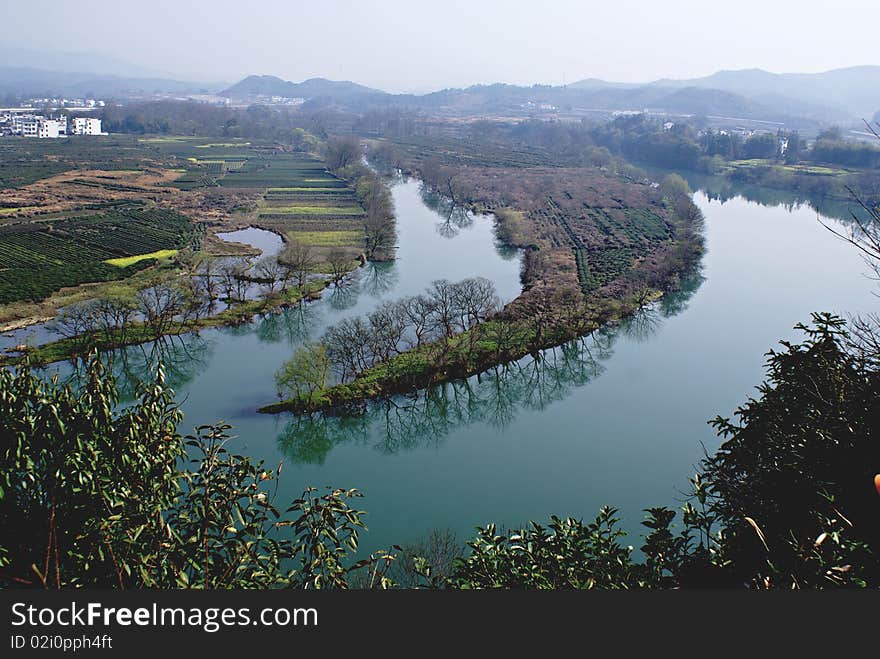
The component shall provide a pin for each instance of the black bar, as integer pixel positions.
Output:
(680, 622)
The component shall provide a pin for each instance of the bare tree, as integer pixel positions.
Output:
(339, 260)
(445, 310)
(387, 328)
(380, 232)
(476, 299)
(299, 260)
(348, 347)
(113, 314)
(158, 305)
(418, 311)
(864, 231)
(233, 281)
(196, 303)
(208, 277)
(342, 152)
(76, 322)
(270, 273)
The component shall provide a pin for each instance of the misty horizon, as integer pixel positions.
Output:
(399, 48)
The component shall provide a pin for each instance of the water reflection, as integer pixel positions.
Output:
(454, 218)
(494, 397)
(378, 277)
(641, 326)
(293, 325)
(676, 302)
(182, 357)
(723, 189)
(343, 297)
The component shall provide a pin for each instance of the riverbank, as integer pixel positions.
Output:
(139, 333)
(492, 343)
(821, 182)
(576, 278)
(19, 315)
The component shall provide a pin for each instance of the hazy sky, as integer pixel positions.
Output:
(401, 45)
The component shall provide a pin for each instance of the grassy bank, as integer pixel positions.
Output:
(813, 180)
(496, 341)
(138, 333)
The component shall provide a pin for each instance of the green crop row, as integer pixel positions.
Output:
(597, 267)
(39, 258)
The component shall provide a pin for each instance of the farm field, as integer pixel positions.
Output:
(296, 196)
(593, 227)
(816, 170)
(112, 207)
(596, 228)
(39, 258)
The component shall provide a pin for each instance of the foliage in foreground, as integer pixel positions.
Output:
(790, 500)
(97, 497)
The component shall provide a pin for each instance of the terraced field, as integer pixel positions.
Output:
(300, 199)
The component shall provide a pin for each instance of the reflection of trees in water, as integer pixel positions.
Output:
(454, 217)
(454, 220)
(723, 189)
(242, 328)
(506, 252)
(308, 439)
(493, 397)
(643, 324)
(182, 357)
(675, 302)
(293, 325)
(343, 297)
(377, 278)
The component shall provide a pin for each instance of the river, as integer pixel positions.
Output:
(619, 418)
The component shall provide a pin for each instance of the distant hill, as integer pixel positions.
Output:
(694, 100)
(798, 100)
(600, 96)
(833, 95)
(39, 82)
(14, 55)
(266, 85)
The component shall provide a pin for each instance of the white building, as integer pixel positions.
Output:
(27, 125)
(86, 126)
(51, 128)
(32, 125)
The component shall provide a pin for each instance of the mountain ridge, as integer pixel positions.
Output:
(38, 82)
(270, 85)
(854, 89)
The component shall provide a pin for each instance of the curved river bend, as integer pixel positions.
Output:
(617, 418)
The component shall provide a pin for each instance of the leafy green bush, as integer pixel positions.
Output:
(793, 484)
(96, 496)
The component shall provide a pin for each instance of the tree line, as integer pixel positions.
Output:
(356, 344)
(201, 287)
(344, 156)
